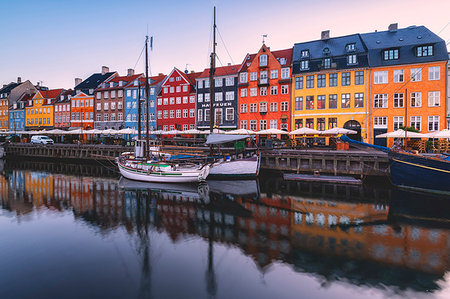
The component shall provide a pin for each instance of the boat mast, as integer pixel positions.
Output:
(406, 118)
(147, 138)
(139, 111)
(212, 70)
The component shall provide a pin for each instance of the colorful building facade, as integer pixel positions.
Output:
(62, 110)
(176, 102)
(82, 111)
(39, 110)
(330, 85)
(17, 113)
(264, 90)
(225, 99)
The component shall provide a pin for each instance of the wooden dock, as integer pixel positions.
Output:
(321, 178)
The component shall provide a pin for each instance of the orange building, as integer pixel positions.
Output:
(264, 90)
(39, 110)
(82, 111)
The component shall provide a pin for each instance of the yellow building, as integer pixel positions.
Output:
(330, 85)
(39, 110)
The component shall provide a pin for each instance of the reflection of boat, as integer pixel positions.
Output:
(2, 151)
(185, 189)
(244, 188)
(420, 172)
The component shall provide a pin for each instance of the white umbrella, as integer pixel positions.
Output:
(241, 132)
(338, 131)
(158, 132)
(215, 131)
(127, 131)
(171, 132)
(305, 131)
(193, 132)
(93, 131)
(442, 134)
(271, 132)
(56, 132)
(76, 131)
(108, 131)
(401, 134)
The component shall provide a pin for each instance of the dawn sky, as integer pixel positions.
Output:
(56, 41)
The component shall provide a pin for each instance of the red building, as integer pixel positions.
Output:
(62, 110)
(264, 90)
(176, 101)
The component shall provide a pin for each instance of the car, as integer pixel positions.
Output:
(41, 139)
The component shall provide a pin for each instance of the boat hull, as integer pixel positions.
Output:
(168, 177)
(242, 168)
(419, 173)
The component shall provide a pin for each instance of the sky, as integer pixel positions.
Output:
(55, 41)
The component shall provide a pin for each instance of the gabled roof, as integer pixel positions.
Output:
(51, 94)
(93, 81)
(24, 98)
(278, 54)
(286, 53)
(65, 98)
(247, 61)
(9, 87)
(192, 76)
(221, 71)
(124, 79)
(182, 74)
(153, 80)
(406, 39)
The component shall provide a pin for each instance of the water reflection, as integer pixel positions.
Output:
(373, 236)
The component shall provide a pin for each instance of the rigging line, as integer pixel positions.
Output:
(139, 57)
(225, 46)
(208, 57)
(443, 28)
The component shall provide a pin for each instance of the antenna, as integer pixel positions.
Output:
(151, 43)
(186, 69)
(263, 38)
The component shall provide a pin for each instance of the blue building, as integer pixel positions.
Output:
(17, 113)
(131, 100)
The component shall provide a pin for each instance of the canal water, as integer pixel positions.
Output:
(81, 231)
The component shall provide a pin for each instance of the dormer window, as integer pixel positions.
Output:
(350, 47)
(135, 83)
(390, 54)
(263, 60)
(304, 64)
(62, 98)
(305, 53)
(327, 63)
(326, 51)
(351, 59)
(423, 51)
(111, 84)
(49, 101)
(171, 79)
(283, 61)
(178, 78)
(120, 83)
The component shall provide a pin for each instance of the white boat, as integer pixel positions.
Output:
(236, 168)
(160, 172)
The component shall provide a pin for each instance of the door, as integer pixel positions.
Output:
(379, 141)
(355, 126)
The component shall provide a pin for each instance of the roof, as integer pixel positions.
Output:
(153, 80)
(223, 138)
(192, 76)
(65, 98)
(51, 94)
(286, 53)
(406, 39)
(24, 98)
(93, 81)
(125, 79)
(278, 54)
(246, 63)
(221, 71)
(9, 87)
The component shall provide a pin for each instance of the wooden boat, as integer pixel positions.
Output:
(229, 167)
(420, 172)
(160, 172)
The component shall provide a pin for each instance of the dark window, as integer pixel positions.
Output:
(352, 59)
(346, 79)
(332, 101)
(305, 53)
(299, 82)
(309, 81)
(298, 123)
(299, 103)
(333, 80)
(321, 124)
(321, 80)
(327, 63)
(345, 100)
(424, 51)
(359, 78)
(350, 47)
(310, 123)
(309, 102)
(359, 100)
(321, 102)
(332, 122)
(391, 54)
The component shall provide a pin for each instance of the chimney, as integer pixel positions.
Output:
(192, 72)
(325, 35)
(160, 74)
(229, 63)
(130, 72)
(105, 70)
(78, 81)
(19, 80)
(393, 27)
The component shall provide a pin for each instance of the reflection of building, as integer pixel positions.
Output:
(39, 187)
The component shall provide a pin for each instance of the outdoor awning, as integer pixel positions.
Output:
(338, 131)
(401, 134)
(241, 132)
(272, 132)
(224, 138)
(305, 131)
(441, 134)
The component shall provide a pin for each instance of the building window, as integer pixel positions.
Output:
(200, 84)
(159, 114)
(243, 124)
(243, 92)
(304, 64)
(298, 123)
(218, 97)
(263, 91)
(333, 80)
(416, 122)
(359, 100)
(253, 76)
(229, 81)
(192, 113)
(274, 74)
(345, 100)
(380, 122)
(350, 47)
(253, 92)
(200, 115)
(416, 99)
(299, 103)
(207, 118)
(309, 123)
(434, 98)
(399, 76)
(263, 124)
(253, 125)
(172, 113)
(273, 90)
(299, 82)
(166, 114)
(229, 96)
(185, 89)
(423, 51)
(304, 53)
(243, 108)
(332, 122)
(218, 82)
(172, 89)
(253, 107)
(273, 124)
(285, 73)
(398, 100)
(327, 63)
(229, 114)
(309, 102)
(332, 101)
(380, 101)
(380, 77)
(200, 97)
(433, 123)
(434, 73)
(273, 107)
(359, 78)
(321, 80)
(178, 113)
(185, 113)
(351, 59)
(310, 81)
(284, 106)
(263, 107)
(284, 89)
(321, 124)
(321, 102)
(391, 54)
(207, 83)
(416, 75)
(243, 77)
(398, 122)
(346, 79)
(263, 60)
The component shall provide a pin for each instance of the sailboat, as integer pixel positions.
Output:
(141, 165)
